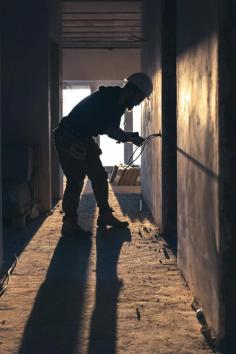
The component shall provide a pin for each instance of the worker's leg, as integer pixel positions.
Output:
(74, 171)
(98, 176)
(71, 197)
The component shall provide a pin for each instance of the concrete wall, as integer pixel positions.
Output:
(227, 81)
(99, 64)
(55, 77)
(26, 82)
(151, 112)
(199, 244)
(1, 234)
(159, 159)
(198, 153)
(169, 158)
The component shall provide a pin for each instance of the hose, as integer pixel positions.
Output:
(142, 146)
(6, 278)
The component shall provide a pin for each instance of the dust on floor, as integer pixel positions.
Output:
(119, 292)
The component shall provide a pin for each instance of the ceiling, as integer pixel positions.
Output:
(101, 24)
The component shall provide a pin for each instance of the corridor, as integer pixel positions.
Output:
(119, 293)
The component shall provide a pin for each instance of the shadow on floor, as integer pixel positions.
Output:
(132, 210)
(103, 328)
(54, 324)
(56, 320)
(15, 241)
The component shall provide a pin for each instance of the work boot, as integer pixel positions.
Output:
(107, 219)
(71, 228)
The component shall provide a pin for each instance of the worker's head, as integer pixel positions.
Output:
(138, 87)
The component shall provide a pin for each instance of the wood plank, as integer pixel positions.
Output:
(106, 35)
(101, 16)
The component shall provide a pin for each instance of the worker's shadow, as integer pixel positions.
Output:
(54, 325)
(103, 326)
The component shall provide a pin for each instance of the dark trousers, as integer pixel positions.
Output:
(76, 170)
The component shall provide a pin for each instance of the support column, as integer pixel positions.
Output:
(169, 158)
(26, 82)
(1, 240)
(55, 80)
(128, 147)
(227, 136)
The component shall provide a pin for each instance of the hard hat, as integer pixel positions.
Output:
(142, 82)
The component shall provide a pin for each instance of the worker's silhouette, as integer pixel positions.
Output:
(99, 113)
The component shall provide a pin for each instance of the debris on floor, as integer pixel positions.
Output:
(115, 294)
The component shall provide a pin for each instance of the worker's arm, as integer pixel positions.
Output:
(121, 136)
(117, 134)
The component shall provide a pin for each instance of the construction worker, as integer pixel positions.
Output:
(99, 113)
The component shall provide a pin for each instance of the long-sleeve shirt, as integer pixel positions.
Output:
(99, 113)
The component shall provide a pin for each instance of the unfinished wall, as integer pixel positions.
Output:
(55, 77)
(100, 64)
(26, 82)
(1, 238)
(198, 153)
(227, 81)
(151, 113)
(169, 158)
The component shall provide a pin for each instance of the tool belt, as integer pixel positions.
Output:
(76, 147)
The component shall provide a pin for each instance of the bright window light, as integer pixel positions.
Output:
(113, 153)
(72, 96)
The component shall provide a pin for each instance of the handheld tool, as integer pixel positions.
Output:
(142, 146)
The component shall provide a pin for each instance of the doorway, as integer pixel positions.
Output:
(113, 153)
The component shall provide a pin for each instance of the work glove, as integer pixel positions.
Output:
(121, 136)
(135, 138)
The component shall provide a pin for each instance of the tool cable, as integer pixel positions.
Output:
(142, 146)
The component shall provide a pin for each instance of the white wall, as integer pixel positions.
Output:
(100, 64)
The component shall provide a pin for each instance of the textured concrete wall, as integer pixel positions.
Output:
(1, 238)
(151, 112)
(99, 64)
(26, 82)
(198, 153)
(227, 102)
(206, 173)
(55, 68)
(169, 158)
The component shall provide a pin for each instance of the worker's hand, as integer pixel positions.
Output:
(136, 139)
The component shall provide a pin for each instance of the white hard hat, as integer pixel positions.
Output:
(142, 82)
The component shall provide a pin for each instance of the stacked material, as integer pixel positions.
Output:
(121, 175)
(20, 183)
